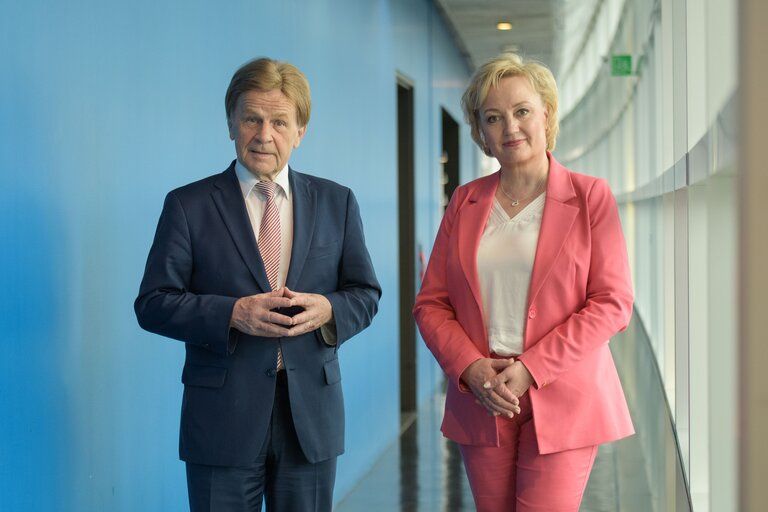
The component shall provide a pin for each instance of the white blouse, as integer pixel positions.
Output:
(504, 265)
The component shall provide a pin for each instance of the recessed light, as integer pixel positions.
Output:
(504, 25)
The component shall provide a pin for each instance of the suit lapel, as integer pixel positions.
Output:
(556, 224)
(228, 198)
(471, 220)
(304, 207)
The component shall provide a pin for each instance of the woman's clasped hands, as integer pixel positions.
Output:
(498, 384)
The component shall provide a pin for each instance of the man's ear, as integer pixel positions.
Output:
(229, 127)
(302, 131)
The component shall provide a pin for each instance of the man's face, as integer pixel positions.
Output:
(264, 128)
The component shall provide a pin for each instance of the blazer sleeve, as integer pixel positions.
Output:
(165, 305)
(356, 299)
(434, 312)
(609, 297)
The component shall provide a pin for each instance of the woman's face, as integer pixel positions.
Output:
(513, 122)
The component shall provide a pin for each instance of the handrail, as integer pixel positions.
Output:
(635, 357)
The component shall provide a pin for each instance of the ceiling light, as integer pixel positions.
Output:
(504, 25)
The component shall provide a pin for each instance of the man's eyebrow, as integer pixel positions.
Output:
(275, 114)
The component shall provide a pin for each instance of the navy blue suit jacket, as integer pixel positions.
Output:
(203, 258)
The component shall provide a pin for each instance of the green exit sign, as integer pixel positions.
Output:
(621, 65)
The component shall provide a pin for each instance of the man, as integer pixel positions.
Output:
(263, 272)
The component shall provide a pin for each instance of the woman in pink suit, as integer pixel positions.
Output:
(527, 281)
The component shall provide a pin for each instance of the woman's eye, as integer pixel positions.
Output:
(491, 119)
(523, 112)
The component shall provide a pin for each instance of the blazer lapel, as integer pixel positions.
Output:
(471, 219)
(228, 198)
(304, 207)
(556, 223)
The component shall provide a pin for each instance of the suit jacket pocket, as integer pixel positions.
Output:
(203, 376)
(332, 371)
(321, 251)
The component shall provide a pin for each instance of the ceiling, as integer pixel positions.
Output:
(540, 29)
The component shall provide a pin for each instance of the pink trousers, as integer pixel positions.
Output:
(513, 477)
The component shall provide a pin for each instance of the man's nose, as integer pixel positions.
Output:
(263, 133)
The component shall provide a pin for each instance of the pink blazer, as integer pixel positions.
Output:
(580, 295)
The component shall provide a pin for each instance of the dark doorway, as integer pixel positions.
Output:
(450, 157)
(407, 250)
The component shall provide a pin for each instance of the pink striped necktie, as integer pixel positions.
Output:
(269, 242)
(269, 233)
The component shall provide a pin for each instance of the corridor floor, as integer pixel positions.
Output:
(423, 472)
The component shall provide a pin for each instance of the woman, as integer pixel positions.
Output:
(527, 281)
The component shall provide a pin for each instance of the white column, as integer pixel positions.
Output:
(753, 245)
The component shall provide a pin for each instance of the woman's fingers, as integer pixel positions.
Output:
(496, 404)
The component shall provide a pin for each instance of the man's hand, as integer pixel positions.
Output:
(497, 399)
(252, 315)
(317, 312)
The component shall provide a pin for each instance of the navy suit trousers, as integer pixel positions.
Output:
(281, 476)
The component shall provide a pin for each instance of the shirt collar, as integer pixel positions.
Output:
(248, 180)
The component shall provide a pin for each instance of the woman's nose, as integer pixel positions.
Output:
(510, 124)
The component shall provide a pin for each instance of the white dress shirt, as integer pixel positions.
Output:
(504, 265)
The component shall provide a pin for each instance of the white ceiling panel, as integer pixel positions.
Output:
(545, 30)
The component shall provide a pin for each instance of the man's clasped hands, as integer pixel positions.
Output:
(281, 313)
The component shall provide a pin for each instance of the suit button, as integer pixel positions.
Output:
(532, 313)
(271, 372)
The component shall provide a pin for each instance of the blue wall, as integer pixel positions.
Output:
(104, 107)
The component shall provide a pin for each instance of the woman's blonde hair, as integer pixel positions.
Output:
(503, 66)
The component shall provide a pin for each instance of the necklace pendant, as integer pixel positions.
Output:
(515, 203)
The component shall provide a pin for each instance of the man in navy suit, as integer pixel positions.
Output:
(262, 272)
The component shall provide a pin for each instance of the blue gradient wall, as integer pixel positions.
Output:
(104, 107)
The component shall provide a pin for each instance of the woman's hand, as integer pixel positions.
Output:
(512, 375)
(496, 399)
